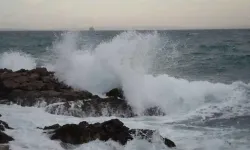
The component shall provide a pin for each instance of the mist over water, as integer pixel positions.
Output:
(142, 64)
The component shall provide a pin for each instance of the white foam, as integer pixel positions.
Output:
(16, 60)
(25, 121)
(127, 61)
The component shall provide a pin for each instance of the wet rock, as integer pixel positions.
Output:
(117, 93)
(107, 107)
(32, 87)
(5, 70)
(55, 126)
(109, 130)
(2, 127)
(40, 71)
(84, 132)
(5, 125)
(4, 138)
(169, 143)
(83, 124)
(27, 86)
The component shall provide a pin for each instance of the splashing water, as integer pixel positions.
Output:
(130, 61)
(127, 61)
(16, 60)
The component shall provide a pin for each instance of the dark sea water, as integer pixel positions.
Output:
(214, 55)
(199, 77)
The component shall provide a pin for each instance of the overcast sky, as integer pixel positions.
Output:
(125, 14)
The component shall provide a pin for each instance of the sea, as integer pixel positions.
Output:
(199, 78)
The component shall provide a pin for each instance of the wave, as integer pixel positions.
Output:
(129, 61)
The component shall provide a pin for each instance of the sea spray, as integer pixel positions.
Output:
(126, 62)
(16, 60)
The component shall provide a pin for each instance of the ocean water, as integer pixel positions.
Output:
(200, 78)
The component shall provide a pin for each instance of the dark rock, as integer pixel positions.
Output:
(2, 127)
(169, 143)
(31, 87)
(5, 125)
(83, 124)
(4, 138)
(0, 115)
(9, 84)
(5, 70)
(83, 133)
(40, 71)
(34, 76)
(113, 129)
(107, 107)
(21, 70)
(117, 93)
(55, 126)
(8, 75)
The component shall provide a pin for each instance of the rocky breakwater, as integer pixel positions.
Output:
(109, 130)
(40, 87)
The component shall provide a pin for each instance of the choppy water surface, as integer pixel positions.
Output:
(199, 78)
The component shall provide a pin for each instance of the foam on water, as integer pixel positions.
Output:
(25, 121)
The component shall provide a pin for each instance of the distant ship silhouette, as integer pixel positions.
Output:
(91, 29)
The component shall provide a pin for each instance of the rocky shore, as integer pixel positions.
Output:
(84, 132)
(41, 88)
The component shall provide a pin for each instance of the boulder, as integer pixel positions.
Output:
(113, 129)
(55, 126)
(117, 93)
(4, 138)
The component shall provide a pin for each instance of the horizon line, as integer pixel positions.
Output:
(124, 29)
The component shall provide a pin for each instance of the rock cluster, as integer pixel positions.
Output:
(109, 130)
(25, 87)
(31, 87)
